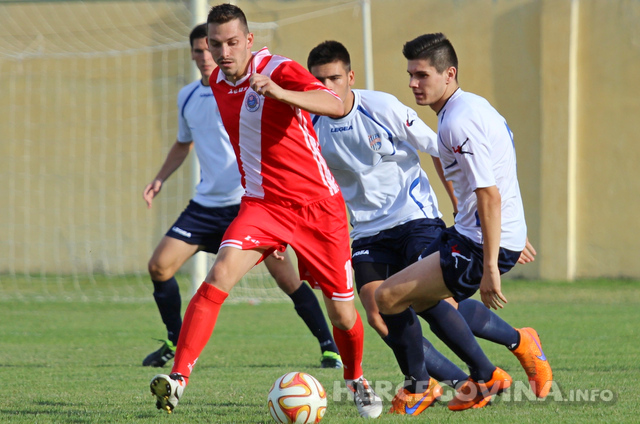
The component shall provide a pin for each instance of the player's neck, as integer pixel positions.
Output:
(348, 105)
(451, 89)
(205, 80)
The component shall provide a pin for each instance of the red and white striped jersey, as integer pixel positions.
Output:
(275, 143)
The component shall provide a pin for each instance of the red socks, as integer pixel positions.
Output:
(197, 327)
(200, 320)
(350, 344)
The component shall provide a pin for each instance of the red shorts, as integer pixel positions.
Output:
(318, 233)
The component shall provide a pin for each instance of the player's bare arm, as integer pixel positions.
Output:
(448, 185)
(176, 156)
(318, 102)
(489, 212)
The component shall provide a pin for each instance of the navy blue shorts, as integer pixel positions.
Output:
(202, 225)
(382, 255)
(461, 260)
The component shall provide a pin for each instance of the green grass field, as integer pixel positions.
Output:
(79, 362)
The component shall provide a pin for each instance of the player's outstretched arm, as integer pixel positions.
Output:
(318, 102)
(176, 156)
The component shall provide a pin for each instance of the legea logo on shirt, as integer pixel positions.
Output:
(253, 102)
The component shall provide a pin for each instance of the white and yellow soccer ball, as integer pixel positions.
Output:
(297, 397)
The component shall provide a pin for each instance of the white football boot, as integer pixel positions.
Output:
(367, 401)
(168, 390)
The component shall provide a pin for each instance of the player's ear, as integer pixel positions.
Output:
(451, 73)
(250, 40)
(351, 78)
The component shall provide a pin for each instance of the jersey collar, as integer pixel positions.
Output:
(255, 60)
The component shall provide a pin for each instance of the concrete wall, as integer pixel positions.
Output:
(563, 73)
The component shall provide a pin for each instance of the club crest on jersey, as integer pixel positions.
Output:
(374, 142)
(253, 102)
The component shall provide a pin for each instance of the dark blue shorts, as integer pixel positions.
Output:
(461, 260)
(202, 225)
(382, 255)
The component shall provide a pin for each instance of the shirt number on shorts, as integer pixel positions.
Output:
(349, 273)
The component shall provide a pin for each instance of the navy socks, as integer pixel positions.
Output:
(307, 306)
(167, 296)
(485, 324)
(440, 367)
(449, 325)
(405, 339)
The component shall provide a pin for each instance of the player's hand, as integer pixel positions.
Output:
(528, 254)
(490, 292)
(265, 86)
(276, 254)
(151, 191)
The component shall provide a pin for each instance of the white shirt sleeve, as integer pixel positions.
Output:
(473, 154)
(406, 125)
(184, 132)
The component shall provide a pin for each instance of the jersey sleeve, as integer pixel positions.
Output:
(290, 75)
(406, 124)
(472, 149)
(184, 133)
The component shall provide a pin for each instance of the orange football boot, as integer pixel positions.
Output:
(407, 403)
(475, 395)
(534, 361)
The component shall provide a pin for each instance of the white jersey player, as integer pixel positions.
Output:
(373, 154)
(477, 151)
(478, 157)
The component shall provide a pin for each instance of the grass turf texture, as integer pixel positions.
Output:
(79, 362)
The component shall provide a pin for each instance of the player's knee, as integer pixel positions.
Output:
(157, 271)
(384, 299)
(343, 323)
(343, 319)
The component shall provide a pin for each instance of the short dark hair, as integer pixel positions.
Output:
(225, 12)
(329, 52)
(200, 31)
(436, 48)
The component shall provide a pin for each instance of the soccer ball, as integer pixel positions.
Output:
(298, 398)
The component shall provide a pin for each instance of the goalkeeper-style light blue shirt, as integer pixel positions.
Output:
(199, 121)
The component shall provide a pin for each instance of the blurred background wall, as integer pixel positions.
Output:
(88, 113)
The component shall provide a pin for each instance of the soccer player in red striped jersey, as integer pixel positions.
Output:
(202, 225)
(291, 198)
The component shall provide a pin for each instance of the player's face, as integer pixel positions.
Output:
(336, 77)
(428, 85)
(201, 55)
(230, 45)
